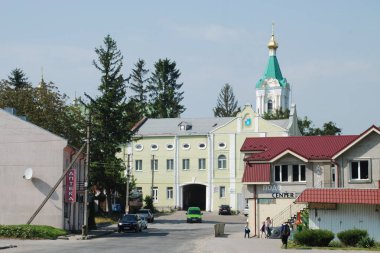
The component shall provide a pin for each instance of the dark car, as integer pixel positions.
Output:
(147, 214)
(224, 209)
(130, 222)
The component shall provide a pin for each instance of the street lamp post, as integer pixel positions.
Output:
(85, 200)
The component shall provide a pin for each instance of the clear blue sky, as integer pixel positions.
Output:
(328, 50)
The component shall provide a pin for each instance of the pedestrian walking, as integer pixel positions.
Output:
(246, 231)
(285, 232)
(268, 225)
(263, 230)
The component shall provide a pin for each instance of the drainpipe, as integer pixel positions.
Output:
(255, 198)
(337, 172)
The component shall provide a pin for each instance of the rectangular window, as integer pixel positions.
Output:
(154, 164)
(299, 173)
(138, 165)
(169, 192)
(169, 164)
(155, 194)
(284, 173)
(360, 170)
(222, 191)
(202, 163)
(185, 164)
(277, 173)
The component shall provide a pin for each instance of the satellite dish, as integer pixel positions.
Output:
(28, 174)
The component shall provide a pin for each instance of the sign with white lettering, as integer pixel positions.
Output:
(71, 189)
(284, 195)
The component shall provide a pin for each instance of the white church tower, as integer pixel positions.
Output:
(272, 90)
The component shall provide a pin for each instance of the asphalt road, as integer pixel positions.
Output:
(169, 233)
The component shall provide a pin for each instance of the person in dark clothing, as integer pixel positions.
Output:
(285, 233)
(246, 231)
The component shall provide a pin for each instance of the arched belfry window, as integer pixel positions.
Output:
(270, 105)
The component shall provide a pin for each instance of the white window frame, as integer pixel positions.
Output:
(301, 168)
(154, 164)
(222, 145)
(154, 147)
(359, 172)
(139, 147)
(222, 191)
(185, 164)
(155, 194)
(169, 192)
(281, 171)
(202, 144)
(222, 162)
(186, 148)
(138, 165)
(202, 163)
(169, 146)
(169, 164)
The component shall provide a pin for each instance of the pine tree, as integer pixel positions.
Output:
(110, 121)
(226, 103)
(138, 84)
(165, 97)
(18, 79)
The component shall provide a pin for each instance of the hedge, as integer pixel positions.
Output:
(314, 237)
(30, 232)
(351, 237)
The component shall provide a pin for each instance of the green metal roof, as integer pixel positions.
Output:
(273, 71)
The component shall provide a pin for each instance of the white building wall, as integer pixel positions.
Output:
(24, 145)
(349, 216)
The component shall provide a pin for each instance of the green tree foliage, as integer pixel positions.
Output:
(110, 121)
(226, 104)
(165, 97)
(306, 127)
(277, 114)
(18, 80)
(44, 106)
(139, 85)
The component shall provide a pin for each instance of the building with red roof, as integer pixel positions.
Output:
(337, 177)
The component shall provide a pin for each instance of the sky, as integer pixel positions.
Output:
(328, 49)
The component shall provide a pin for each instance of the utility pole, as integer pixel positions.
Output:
(127, 190)
(153, 168)
(85, 200)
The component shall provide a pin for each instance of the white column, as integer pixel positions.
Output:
(232, 165)
(176, 173)
(210, 187)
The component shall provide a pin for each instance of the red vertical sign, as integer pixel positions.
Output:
(71, 190)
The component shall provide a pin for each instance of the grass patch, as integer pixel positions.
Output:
(30, 232)
(113, 218)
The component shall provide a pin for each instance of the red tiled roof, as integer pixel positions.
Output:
(340, 196)
(256, 173)
(309, 147)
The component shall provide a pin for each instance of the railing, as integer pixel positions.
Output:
(287, 213)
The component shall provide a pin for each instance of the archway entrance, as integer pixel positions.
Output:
(194, 195)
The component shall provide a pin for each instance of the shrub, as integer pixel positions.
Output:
(351, 237)
(314, 237)
(366, 242)
(335, 244)
(30, 232)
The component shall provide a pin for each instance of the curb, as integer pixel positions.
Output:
(8, 246)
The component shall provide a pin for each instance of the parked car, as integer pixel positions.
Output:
(224, 209)
(147, 214)
(130, 222)
(144, 222)
(194, 214)
(246, 210)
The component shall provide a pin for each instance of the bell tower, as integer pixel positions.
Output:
(272, 90)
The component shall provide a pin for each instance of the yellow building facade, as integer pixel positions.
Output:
(184, 162)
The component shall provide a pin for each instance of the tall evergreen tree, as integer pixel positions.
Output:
(165, 97)
(226, 104)
(18, 80)
(139, 85)
(110, 124)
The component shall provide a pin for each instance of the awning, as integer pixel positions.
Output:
(256, 173)
(340, 196)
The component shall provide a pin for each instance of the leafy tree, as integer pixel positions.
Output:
(138, 85)
(306, 127)
(44, 106)
(110, 121)
(226, 103)
(277, 114)
(18, 79)
(165, 97)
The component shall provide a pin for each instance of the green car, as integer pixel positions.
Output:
(194, 214)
